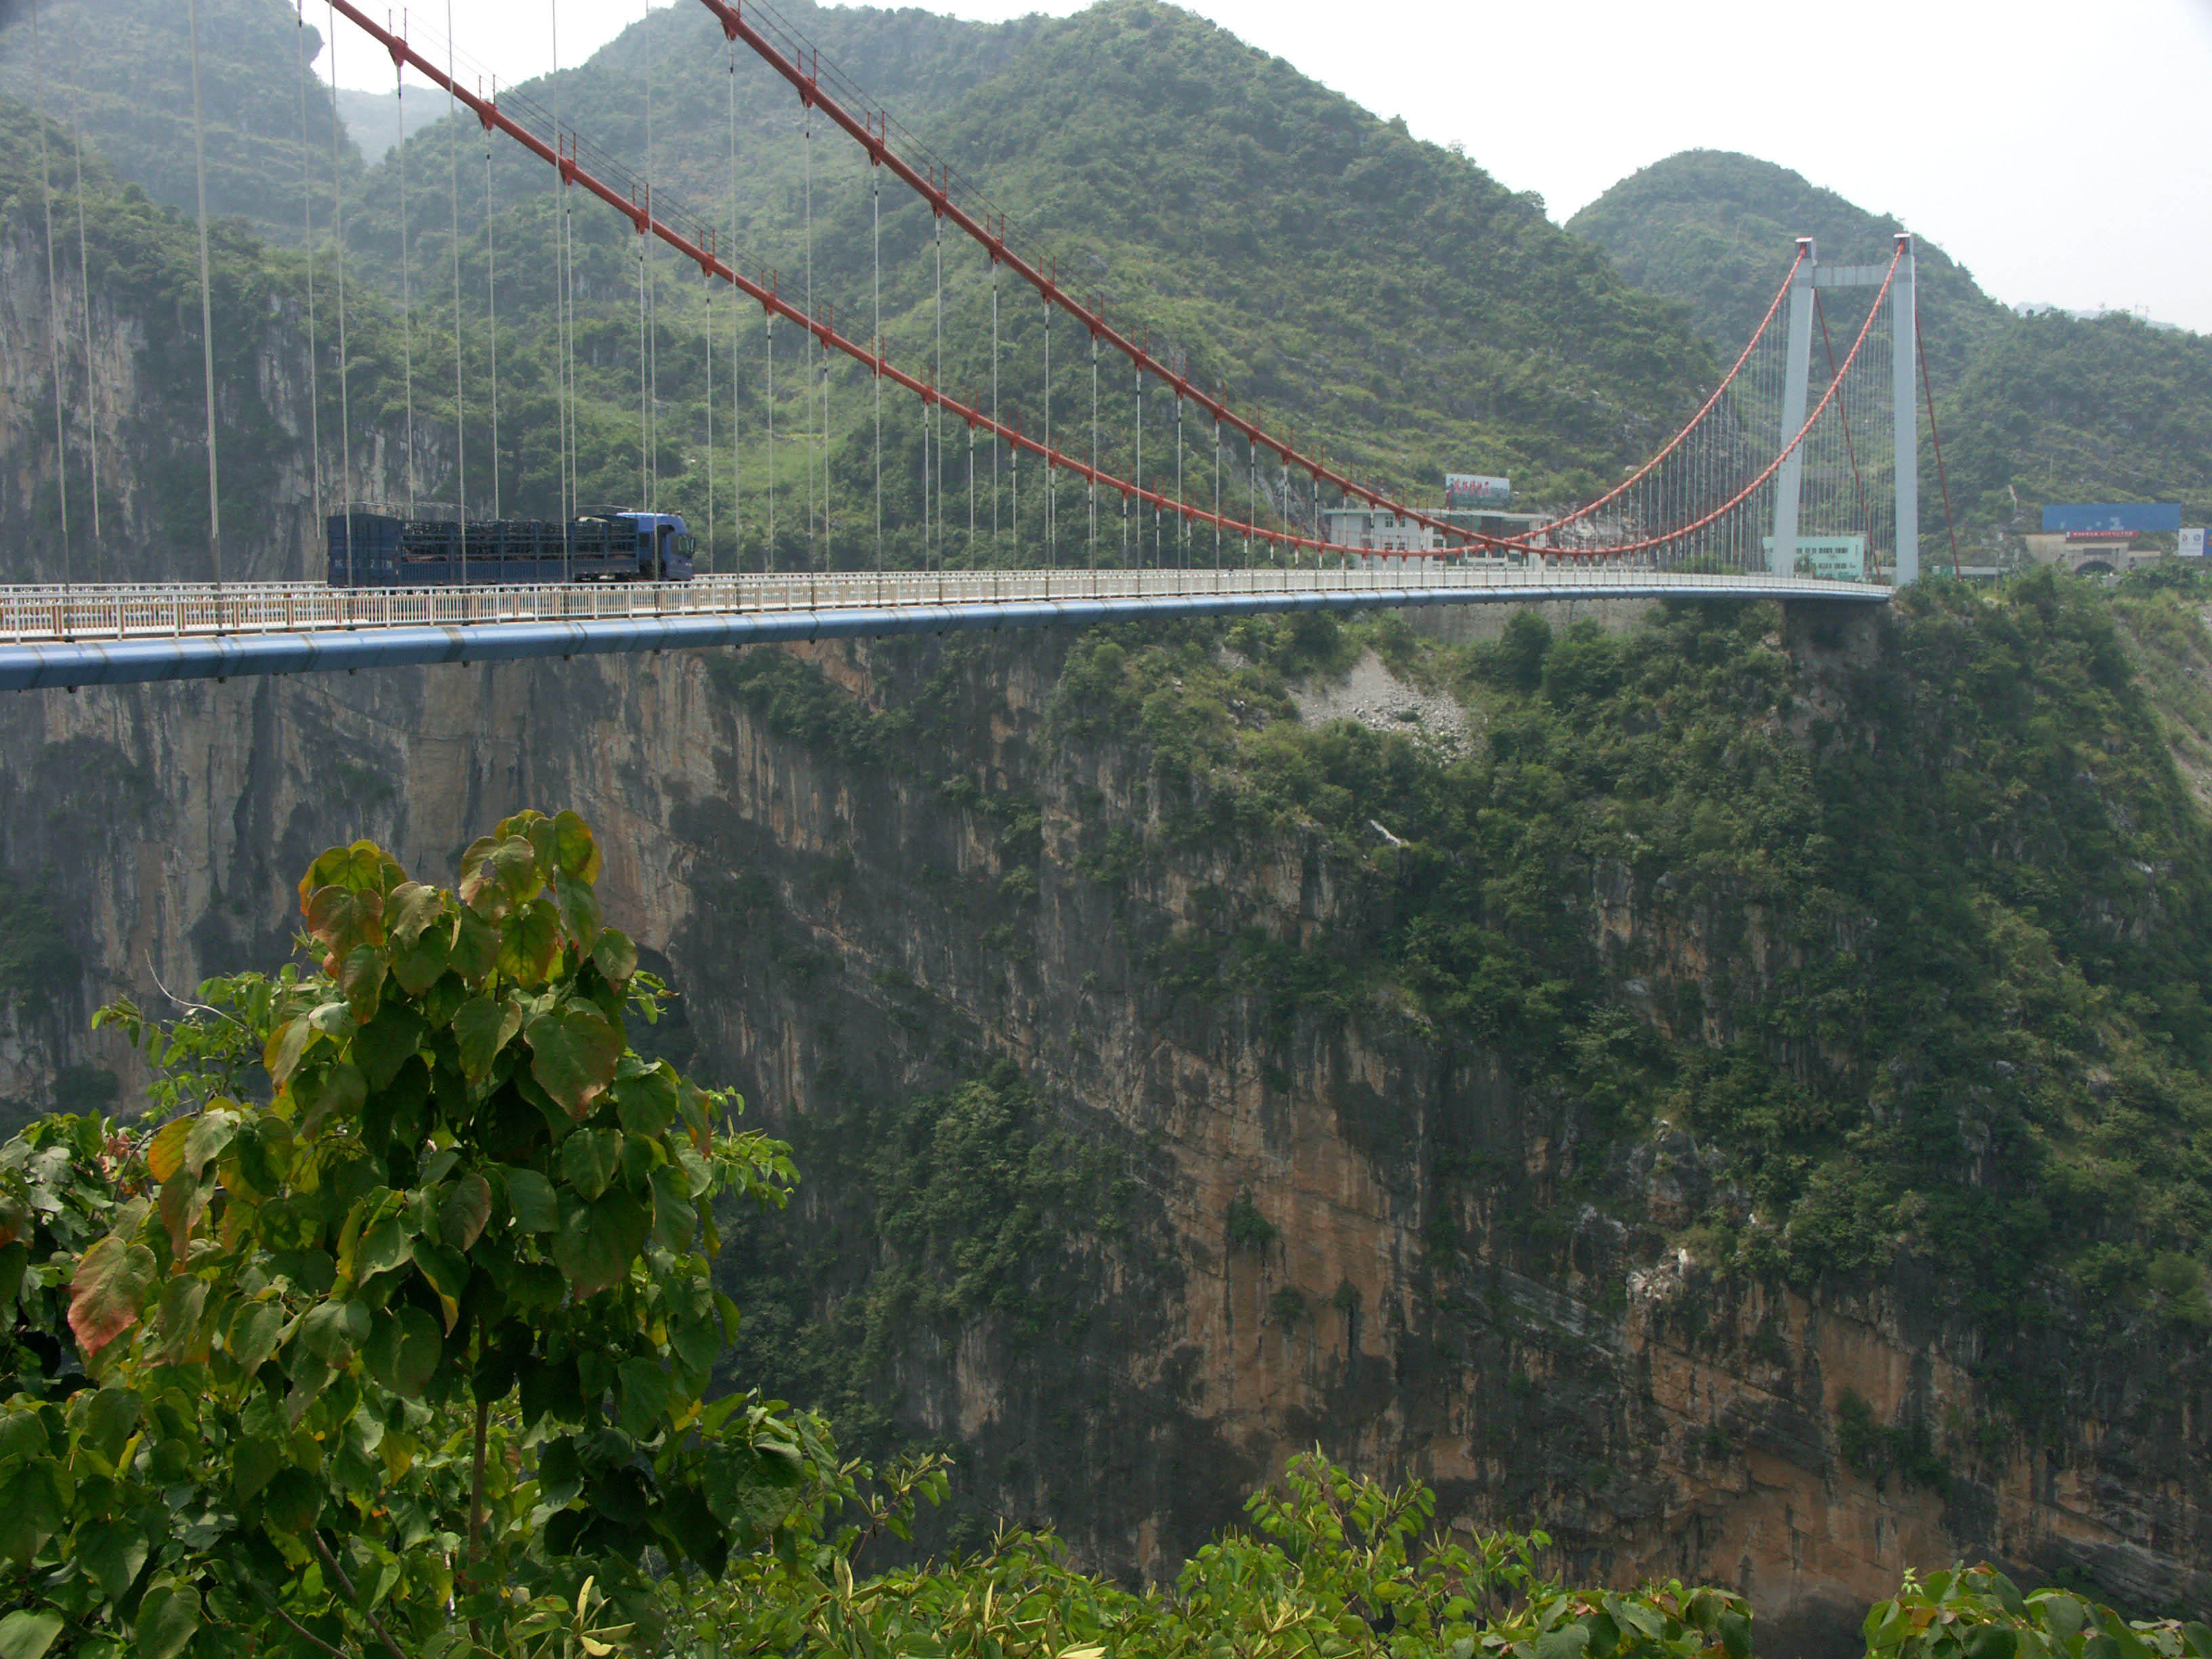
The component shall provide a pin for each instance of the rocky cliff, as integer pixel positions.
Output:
(1207, 1222)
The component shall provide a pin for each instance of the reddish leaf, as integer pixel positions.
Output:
(572, 1053)
(165, 1153)
(498, 875)
(342, 918)
(107, 1291)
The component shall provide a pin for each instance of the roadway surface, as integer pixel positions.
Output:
(121, 635)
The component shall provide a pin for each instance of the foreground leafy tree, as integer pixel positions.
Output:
(373, 1362)
(1333, 1566)
(1976, 1613)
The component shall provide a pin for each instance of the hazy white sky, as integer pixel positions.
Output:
(2061, 150)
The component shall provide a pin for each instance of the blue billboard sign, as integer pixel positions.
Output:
(2114, 517)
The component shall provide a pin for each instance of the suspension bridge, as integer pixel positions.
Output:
(1795, 478)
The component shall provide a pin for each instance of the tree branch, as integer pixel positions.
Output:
(276, 1608)
(352, 1595)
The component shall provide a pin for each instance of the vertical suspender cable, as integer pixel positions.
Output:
(937, 376)
(1216, 492)
(207, 302)
(564, 314)
(806, 190)
(711, 286)
(1126, 499)
(1182, 518)
(768, 557)
(314, 365)
(1936, 438)
(1094, 449)
(995, 442)
(460, 404)
(876, 373)
(407, 277)
(648, 276)
(337, 220)
(84, 273)
(491, 318)
(736, 322)
(1051, 477)
(53, 288)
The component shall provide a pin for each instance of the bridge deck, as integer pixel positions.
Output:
(88, 635)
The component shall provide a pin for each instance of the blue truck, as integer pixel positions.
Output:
(370, 549)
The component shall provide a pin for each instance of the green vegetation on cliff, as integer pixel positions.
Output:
(1954, 914)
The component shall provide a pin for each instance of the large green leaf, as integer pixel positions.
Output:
(599, 1240)
(417, 964)
(530, 1195)
(675, 1213)
(648, 1392)
(579, 910)
(113, 1551)
(530, 943)
(361, 977)
(572, 1053)
(646, 1097)
(464, 1210)
(27, 1635)
(750, 1488)
(338, 1093)
(253, 1336)
(169, 1618)
(30, 1511)
(333, 1330)
(252, 1463)
(403, 1351)
(413, 907)
(475, 947)
(482, 1028)
(292, 1500)
(208, 1137)
(382, 1046)
(107, 1291)
(575, 849)
(589, 1158)
(616, 955)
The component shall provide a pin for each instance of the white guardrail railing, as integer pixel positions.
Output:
(38, 615)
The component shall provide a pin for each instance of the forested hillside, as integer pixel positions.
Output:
(2033, 409)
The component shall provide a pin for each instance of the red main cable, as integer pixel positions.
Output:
(709, 261)
(866, 132)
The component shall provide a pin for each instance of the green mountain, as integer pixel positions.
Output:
(121, 70)
(2032, 409)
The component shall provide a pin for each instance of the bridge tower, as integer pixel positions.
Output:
(1904, 428)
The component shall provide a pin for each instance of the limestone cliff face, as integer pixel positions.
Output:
(1413, 1284)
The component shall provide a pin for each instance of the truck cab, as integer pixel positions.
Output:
(667, 549)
